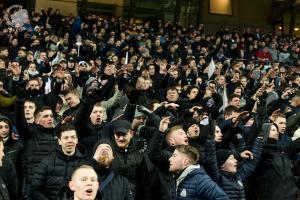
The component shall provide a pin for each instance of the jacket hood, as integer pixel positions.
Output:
(266, 127)
(266, 130)
(8, 121)
(188, 171)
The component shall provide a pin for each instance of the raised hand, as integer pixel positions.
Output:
(164, 123)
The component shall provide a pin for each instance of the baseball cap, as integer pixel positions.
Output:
(122, 126)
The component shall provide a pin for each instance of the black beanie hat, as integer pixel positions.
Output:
(102, 141)
(189, 122)
(222, 156)
(8, 121)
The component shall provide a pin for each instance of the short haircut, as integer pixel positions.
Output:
(170, 131)
(98, 104)
(230, 109)
(24, 50)
(278, 115)
(33, 79)
(42, 109)
(190, 59)
(82, 167)
(31, 101)
(171, 88)
(3, 48)
(232, 96)
(238, 87)
(151, 105)
(190, 151)
(67, 127)
(212, 82)
(71, 90)
(189, 88)
(218, 77)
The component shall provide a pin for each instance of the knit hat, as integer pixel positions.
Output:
(188, 123)
(138, 113)
(6, 120)
(222, 156)
(102, 141)
(89, 81)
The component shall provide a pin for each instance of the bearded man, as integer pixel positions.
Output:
(109, 180)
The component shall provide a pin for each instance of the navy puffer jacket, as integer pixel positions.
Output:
(195, 184)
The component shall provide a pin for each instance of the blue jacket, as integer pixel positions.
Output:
(195, 184)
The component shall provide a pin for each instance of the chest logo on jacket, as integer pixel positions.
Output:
(240, 183)
(183, 193)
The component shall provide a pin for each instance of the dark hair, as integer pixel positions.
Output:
(67, 127)
(151, 105)
(33, 79)
(230, 109)
(189, 88)
(2, 48)
(232, 96)
(190, 151)
(31, 101)
(171, 88)
(42, 109)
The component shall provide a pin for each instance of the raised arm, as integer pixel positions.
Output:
(248, 167)
(24, 130)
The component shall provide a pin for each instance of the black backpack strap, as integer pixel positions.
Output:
(106, 181)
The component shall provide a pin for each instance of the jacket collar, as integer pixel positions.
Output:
(76, 155)
(185, 172)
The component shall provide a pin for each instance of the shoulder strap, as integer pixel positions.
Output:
(106, 181)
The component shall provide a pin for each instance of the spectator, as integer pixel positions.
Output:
(39, 140)
(128, 158)
(29, 109)
(111, 181)
(54, 171)
(13, 148)
(82, 185)
(110, 70)
(8, 176)
(72, 97)
(192, 180)
(275, 160)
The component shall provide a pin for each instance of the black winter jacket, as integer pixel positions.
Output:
(4, 195)
(13, 150)
(53, 173)
(66, 194)
(9, 176)
(232, 184)
(39, 142)
(118, 184)
(274, 178)
(127, 163)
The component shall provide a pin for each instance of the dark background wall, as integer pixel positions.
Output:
(245, 13)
